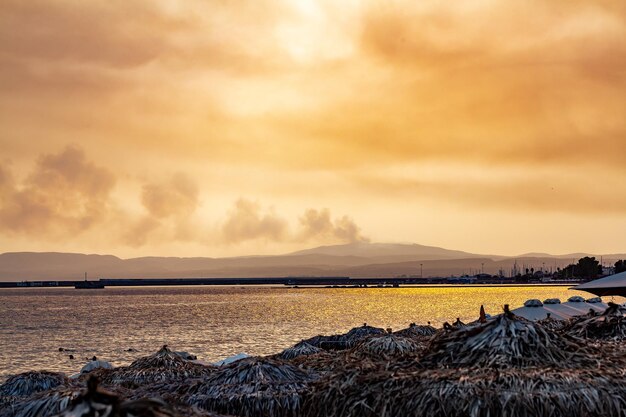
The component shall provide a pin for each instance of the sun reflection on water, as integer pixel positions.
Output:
(214, 322)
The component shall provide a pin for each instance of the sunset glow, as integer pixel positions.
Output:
(226, 128)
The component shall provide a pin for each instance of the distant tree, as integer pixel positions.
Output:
(587, 267)
(620, 266)
(567, 272)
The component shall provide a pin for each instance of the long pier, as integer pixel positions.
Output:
(287, 281)
(139, 282)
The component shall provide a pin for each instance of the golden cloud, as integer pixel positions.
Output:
(319, 97)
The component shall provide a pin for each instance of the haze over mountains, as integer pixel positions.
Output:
(354, 260)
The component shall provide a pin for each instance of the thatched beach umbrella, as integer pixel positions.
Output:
(93, 402)
(28, 383)
(42, 404)
(362, 332)
(345, 341)
(469, 392)
(162, 366)
(257, 370)
(551, 323)
(417, 331)
(610, 325)
(458, 323)
(251, 387)
(164, 358)
(301, 348)
(332, 342)
(506, 341)
(97, 402)
(388, 346)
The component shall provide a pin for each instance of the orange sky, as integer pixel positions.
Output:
(235, 127)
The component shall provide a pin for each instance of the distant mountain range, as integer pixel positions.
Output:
(354, 260)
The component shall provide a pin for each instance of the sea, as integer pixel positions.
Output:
(41, 327)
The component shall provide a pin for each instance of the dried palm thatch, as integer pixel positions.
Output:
(358, 333)
(302, 348)
(31, 382)
(164, 358)
(418, 331)
(42, 404)
(551, 323)
(388, 346)
(96, 402)
(163, 366)
(469, 392)
(251, 387)
(344, 341)
(459, 324)
(93, 402)
(323, 362)
(610, 325)
(7, 401)
(134, 377)
(506, 341)
(260, 400)
(258, 370)
(332, 342)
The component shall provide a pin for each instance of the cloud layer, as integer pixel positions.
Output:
(372, 109)
(66, 196)
(63, 195)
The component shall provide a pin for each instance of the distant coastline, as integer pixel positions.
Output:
(287, 282)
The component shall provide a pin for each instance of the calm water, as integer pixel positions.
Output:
(215, 322)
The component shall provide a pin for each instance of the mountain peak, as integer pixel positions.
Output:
(367, 249)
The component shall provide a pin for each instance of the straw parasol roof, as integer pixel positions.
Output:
(469, 392)
(388, 346)
(552, 323)
(332, 342)
(345, 341)
(301, 348)
(506, 341)
(610, 325)
(458, 323)
(164, 358)
(41, 404)
(418, 331)
(93, 402)
(162, 366)
(28, 383)
(97, 402)
(132, 378)
(255, 370)
(362, 332)
(251, 387)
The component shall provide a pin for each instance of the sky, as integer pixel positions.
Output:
(228, 127)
